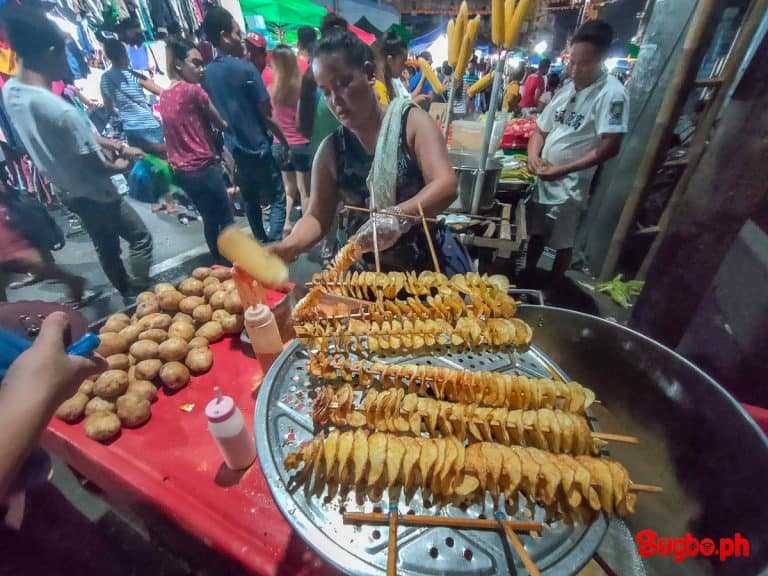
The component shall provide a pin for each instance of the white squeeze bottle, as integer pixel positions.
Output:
(261, 326)
(227, 426)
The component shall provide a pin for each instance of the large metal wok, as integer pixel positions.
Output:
(696, 440)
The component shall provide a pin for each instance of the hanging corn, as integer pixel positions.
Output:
(480, 85)
(453, 46)
(517, 21)
(509, 12)
(497, 22)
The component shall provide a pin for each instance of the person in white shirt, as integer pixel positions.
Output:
(578, 130)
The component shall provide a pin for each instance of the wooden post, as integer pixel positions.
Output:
(740, 46)
(728, 187)
(694, 49)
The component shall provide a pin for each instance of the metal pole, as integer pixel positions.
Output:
(450, 106)
(497, 82)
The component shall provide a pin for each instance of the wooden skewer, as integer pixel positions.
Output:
(429, 239)
(616, 437)
(650, 488)
(520, 549)
(439, 521)
(392, 545)
(411, 216)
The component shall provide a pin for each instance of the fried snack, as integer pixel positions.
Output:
(102, 426)
(492, 389)
(174, 375)
(348, 255)
(575, 487)
(356, 334)
(111, 384)
(111, 343)
(133, 410)
(72, 409)
(97, 404)
(394, 411)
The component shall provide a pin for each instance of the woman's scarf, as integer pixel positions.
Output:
(382, 179)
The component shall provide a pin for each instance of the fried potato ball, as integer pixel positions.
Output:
(118, 362)
(211, 331)
(199, 360)
(201, 273)
(183, 330)
(111, 384)
(156, 320)
(202, 314)
(97, 404)
(148, 369)
(216, 301)
(102, 426)
(132, 410)
(182, 317)
(173, 349)
(169, 300)
(198, 342)
(232, 302)
(221, 273)
(174, 375)
(111, 343)
(162, 287)
(144, 389)
(131, 333)
(144, 350)
(72, 409)
(190, 303)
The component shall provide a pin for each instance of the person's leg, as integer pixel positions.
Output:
(561, 265)
(131, 227)
(247, 176)
(275, 191)
(31, 262)
(98, 219)
(208, 191)
(291, 194)
(533, 253)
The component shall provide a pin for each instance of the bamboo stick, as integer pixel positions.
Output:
(392, 545)
(520, 549)
(368, 210)
(439, 521)
(429, 240)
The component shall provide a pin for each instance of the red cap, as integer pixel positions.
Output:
(256, 40)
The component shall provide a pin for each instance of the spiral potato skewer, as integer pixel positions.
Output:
(394, 411)
(575, 486)
(492, 389)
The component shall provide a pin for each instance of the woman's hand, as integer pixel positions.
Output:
(283, 250)
(389, 229)
(46, 370)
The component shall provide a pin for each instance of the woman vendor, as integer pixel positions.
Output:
(402, 150)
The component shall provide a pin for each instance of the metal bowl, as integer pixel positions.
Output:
(697, 442)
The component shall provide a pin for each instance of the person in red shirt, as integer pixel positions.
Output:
(256, 52)
(189, 120)
(535, 86)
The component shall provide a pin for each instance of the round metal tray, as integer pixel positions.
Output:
(283, 421)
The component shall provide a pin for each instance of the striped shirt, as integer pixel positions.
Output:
(127, 95)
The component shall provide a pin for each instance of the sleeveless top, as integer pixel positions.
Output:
(353, 163)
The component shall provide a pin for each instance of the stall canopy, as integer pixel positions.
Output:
(366, 37)
(289, 14)
(423, 42)
(365, 24)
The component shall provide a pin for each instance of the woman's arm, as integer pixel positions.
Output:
(214, 117)
(323, 198)
(34, 386)
(427, 146)
(150, 86)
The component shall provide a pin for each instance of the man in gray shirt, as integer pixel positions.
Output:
(64, 148)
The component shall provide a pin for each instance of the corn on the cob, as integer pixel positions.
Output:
(481, 84)
(517, 21)
(430, 76)
(453, 47)
(497, 22)
(509, 12)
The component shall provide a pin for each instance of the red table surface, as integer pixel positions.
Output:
(173, 465)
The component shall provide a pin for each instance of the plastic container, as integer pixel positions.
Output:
(261, 326)
(227, 426)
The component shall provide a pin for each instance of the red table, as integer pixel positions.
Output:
(172, 465)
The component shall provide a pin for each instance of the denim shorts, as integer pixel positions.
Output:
(300, 159)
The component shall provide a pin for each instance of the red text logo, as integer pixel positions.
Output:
(681, 548)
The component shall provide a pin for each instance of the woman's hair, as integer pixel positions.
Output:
(306, 38)
(553, 81)
(354, 50)
(391, 45)
(176, 50)
(287, 81)
(332, 22)
(115, 50)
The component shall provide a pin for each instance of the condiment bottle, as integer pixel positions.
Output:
(227, 426)
(262, 330)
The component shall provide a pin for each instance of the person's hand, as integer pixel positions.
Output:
(389, 229)
(550, 172)
(122, 164)
(535, 163)
(283, 250)
(132, 153)
(46, 369)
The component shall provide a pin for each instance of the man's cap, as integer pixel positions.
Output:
(256, 40)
